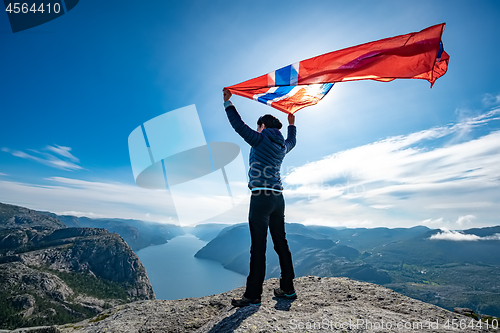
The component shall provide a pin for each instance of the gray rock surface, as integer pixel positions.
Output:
(323, 304)
(16, 275)
(95, 252)
(466, 312)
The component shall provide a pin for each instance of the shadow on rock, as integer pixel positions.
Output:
(283, 304)
(229, 324)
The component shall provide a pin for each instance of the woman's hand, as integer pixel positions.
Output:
(227, 94)
(291, 119)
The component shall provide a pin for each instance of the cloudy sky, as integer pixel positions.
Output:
(370, 154)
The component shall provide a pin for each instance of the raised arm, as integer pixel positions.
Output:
(292, 132)
(253, 138)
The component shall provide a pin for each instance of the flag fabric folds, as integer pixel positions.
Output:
(417, 55)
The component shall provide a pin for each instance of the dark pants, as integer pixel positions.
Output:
(267, 209)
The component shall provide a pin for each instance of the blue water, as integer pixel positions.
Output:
(175, 273)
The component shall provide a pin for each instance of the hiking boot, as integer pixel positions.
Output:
(278, 292)
(243, 301)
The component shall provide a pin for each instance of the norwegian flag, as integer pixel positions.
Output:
(417, 55)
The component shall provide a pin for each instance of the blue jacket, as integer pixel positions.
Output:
(267, 152)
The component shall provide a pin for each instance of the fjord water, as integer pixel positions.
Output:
(175, 273)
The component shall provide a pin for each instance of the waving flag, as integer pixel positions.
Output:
(417, 55)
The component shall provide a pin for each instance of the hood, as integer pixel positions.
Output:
(274, 135)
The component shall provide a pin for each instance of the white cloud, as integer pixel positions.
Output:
(90, 198)
(420, 178)
(461, 205)
(391, 158)
(493, 237)
(65, 161)
(451, 235)
(454, 236)
(403, 180)
(3, 174)
(434, 223)
(81, 214)
(465, 220)
(67, 196)
(63, 151)
(490, 99)
(382, 206)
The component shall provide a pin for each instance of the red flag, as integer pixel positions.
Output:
(417, 55)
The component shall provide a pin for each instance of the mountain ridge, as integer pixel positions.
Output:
(51, 274)
(442, 272)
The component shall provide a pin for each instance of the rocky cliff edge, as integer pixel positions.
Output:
(323, 304)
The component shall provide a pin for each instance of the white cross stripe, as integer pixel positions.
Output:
(294, 74)
(270, 91)
(271, 79)
(291, 93)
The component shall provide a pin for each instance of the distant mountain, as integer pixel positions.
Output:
(483, 232)
(69, 220)
(312, 252)
(137, 234)
(50, 274)
(422, 250)
(15, 217)
(207, 231)
(443, 272)
(365, 239)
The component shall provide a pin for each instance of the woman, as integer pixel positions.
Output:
(267, 206)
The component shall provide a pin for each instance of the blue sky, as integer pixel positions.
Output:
(402, 154)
